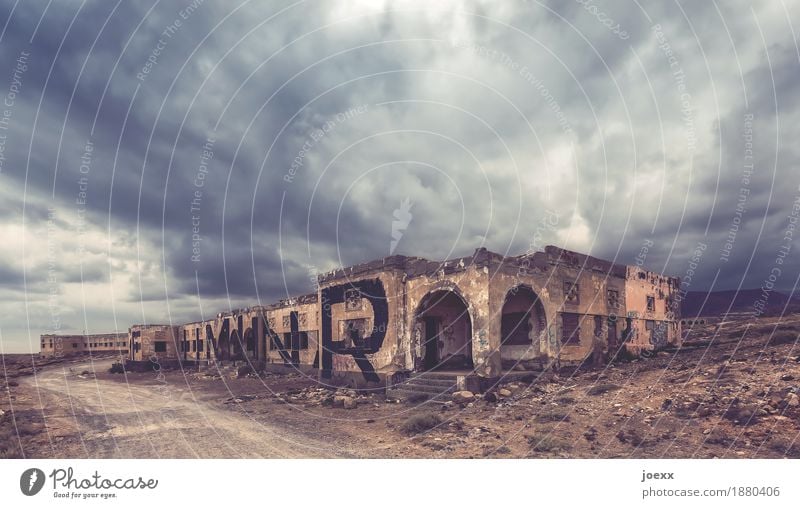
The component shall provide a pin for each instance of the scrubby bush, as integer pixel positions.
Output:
(552, 415)
(546, 444)
(779, 338)
(416, 398)
(420, 423)
(601, 388)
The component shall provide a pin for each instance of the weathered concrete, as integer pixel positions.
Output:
(479, 316)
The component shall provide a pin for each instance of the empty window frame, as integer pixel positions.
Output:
(571, 292)
(570, 329)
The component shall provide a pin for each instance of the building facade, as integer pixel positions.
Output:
(482, 314)
(52, 345)
(150, 342)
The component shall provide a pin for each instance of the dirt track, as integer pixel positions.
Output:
(151, 418)
(731, 392)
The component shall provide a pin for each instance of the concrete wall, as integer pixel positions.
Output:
(65, 345)
(367, 322)
(468, 278)
(146, 340)
(657, 326)
(374, 295)
(279, 319)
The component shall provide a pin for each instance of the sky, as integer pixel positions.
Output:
(161, 162)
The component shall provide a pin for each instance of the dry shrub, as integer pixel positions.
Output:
(420, 423)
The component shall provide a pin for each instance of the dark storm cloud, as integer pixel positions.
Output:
(485, 120)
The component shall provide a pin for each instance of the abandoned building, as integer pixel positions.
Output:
(66, 345)
(481, 316)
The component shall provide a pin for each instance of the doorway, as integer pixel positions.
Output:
(446, 331)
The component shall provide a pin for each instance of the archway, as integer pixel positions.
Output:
(522, 321)
(444, 328)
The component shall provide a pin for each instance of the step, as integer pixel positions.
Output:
(425, 389)
(435, 375)
(435, 383)
(403, 394)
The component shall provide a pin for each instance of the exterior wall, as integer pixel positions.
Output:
(65, 345)
(146, 342)
(370, 321)
(468, 278)
(234, 335)
(375, 295)
(288, 349)
(513, 276)
(246, 334)
(657, 326)
(194, 346)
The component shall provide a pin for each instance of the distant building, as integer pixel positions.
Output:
(66, 345)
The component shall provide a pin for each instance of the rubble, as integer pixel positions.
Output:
(463, 397)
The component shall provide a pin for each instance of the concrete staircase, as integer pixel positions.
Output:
(434, 386)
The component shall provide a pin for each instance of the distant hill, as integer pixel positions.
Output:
(718, 303)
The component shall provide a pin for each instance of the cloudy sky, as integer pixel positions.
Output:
(164, 161)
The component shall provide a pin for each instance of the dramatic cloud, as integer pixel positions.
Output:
(164, 161)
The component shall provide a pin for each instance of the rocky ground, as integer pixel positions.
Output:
(731, 391)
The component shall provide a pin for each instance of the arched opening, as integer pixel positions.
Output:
(522, 321)
(224, 342)
(444, 330)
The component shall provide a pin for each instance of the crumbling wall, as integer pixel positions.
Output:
(513, 276)
(469, 279)
(360, 293)
(653, 309)
(66, 345)
(294, 316)
(154, 342)
(367, 321)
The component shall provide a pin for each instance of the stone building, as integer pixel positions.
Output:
(66, 345)
(480, 315)
(487, 313)
(284, 333)
(148, 342)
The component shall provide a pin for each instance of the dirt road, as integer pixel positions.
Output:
(86, 417)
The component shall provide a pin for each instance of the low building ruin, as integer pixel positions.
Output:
(55, 345)
(483, 314)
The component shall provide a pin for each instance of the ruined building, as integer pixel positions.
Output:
(67, 345)
(480, 315)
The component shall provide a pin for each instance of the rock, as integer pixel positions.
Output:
(463, 396)
(742, 414)
(338, 400)
(787, 377)
(244, 371)
(490, 397)
(504, 392)
(704, 411)
(792, 400)
(350, 403)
